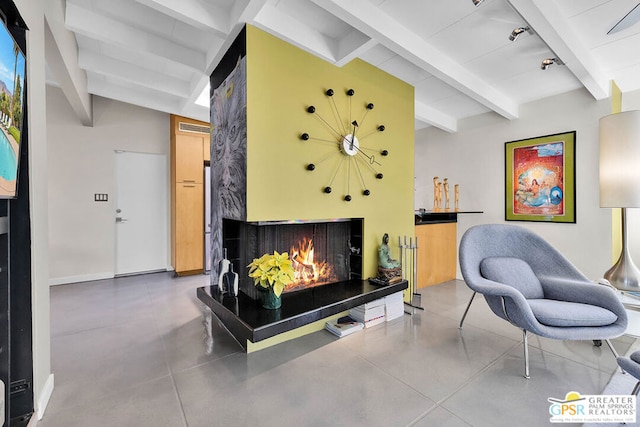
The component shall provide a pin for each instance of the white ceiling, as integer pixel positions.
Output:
(159, 53)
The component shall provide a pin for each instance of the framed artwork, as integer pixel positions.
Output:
(540, 179)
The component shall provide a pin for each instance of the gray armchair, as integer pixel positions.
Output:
(531, 285)
(631, 365)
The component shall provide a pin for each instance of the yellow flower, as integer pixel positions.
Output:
(272, 271)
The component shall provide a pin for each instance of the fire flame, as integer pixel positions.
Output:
(308, 272)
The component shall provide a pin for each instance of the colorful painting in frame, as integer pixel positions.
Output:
(540, 180)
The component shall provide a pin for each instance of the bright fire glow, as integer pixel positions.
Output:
(308, 272)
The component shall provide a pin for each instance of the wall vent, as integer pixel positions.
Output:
(190, 127)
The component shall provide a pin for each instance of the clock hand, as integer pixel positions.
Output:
(353, 134)
(371, 158)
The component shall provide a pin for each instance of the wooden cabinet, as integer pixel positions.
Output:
(189, 228)
(188, 158)
(188, 139)
(437, 253)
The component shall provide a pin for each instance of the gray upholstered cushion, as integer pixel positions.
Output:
(630, 366)
(561, 313)
(513, 272)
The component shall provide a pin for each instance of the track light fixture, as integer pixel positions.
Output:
(477, 3)
(516, 33)
(549, 61)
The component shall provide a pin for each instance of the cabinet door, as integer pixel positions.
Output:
(189, 159)
(189, 244)
(437, 254)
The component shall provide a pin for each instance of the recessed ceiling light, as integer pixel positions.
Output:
(516, 33)
(546, 63)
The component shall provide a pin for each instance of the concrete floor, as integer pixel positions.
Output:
(131, 352)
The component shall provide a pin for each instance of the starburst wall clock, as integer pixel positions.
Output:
(349, 157)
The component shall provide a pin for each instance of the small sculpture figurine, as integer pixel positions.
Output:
(439, 197)
(223, 267)
(456, 192)
(446, 193)
(230, 282)
(389, 270)
(384, 254)
(435, 193)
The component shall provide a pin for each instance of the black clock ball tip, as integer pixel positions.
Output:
(304, 136)
(379, 176)
(327, 190)
(351, 92)
(329, 92)
(381, 128)
(311, 109)
(347, 198)
(384, 153)
(366, 192)
(311, 167)
(369, 106)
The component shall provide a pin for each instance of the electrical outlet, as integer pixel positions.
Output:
(19, 386)
(101, 197)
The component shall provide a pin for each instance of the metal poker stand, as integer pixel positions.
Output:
(409, 263)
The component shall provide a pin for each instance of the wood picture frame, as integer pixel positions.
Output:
(540, 179)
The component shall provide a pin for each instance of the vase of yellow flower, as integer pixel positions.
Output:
(270, 300)
(271, 273)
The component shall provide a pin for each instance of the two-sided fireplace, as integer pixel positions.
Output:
(322, 251)
(328, 255)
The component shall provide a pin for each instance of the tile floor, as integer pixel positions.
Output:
(131, 352)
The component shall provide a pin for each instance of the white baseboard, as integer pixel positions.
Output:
(82, 278)
(45, 395)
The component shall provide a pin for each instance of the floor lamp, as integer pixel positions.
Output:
(620, 185)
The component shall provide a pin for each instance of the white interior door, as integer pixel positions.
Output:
(141, 212)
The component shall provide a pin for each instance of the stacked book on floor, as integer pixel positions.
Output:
(366, 315)
(371, 313)
(394, 306)
(343, 326)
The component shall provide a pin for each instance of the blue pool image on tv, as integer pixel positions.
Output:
(12, 91)
(8, 161)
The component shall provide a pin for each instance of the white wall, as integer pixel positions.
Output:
(81, 163)
(474, 158)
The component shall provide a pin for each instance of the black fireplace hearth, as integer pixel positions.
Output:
(248, 321)
(333, 246)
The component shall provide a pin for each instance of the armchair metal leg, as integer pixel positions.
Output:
(613, 350)
(615, 354)
(526, 354)
(525, 342)
(466, 310)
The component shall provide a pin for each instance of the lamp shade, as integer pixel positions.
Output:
(620, 160)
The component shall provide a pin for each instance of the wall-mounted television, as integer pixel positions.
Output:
(12, 73)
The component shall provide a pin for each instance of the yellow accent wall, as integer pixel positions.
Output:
(282, 81)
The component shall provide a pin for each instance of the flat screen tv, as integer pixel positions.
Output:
(12, 70)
